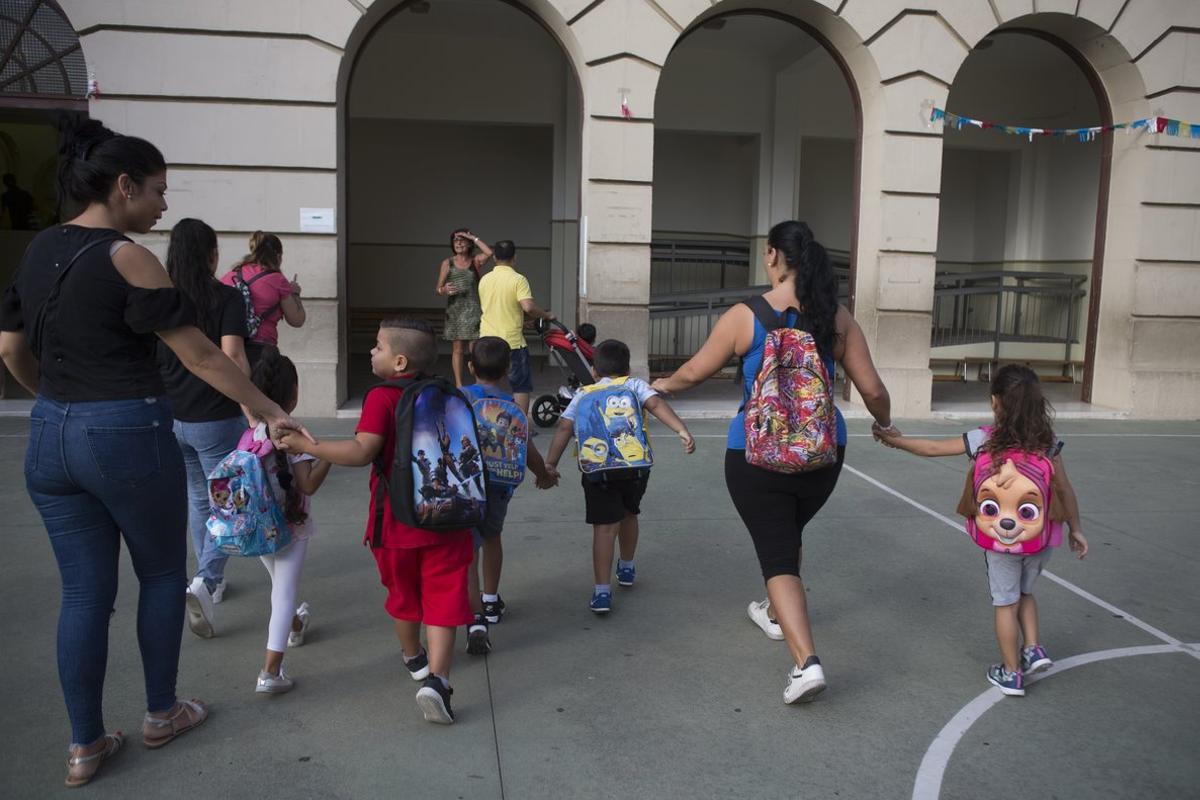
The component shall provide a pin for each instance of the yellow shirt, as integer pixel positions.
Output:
(500, 293)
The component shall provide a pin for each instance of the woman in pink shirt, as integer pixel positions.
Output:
(269, 294)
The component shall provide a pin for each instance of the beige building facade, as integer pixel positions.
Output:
(588, 132)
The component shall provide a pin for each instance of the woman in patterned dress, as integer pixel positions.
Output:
(459, 281)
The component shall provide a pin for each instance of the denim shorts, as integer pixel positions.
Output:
(519, 374)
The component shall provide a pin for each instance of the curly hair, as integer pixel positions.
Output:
(1024, 418)
(815, 282)
(275, 376)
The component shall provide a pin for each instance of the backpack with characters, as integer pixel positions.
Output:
(1009, 500)
(437, 479)
(791, 425)
(503, 439)
(245, 518)
(611, 432)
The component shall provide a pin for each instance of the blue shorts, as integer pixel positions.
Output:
(519, 374)
(493, 520)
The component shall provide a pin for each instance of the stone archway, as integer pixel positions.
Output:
(424, 148)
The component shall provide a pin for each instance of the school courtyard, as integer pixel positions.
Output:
(676, 693)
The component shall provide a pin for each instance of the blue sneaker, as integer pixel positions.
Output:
(1034, 659)
(601, 603)
(625, 575)
(1011, 683)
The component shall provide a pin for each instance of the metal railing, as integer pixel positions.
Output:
(678, 265)
(968, 308)
(1007, 306)
(681, 321)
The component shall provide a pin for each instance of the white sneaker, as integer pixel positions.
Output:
(805, 683)
(218, 594)
(274, 684)
(760, 614)
(296, 637)
(200, 609)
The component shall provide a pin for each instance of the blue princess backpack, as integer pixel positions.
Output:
(245, 518)
(611, 432)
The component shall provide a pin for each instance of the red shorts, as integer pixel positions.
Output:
(427, 584)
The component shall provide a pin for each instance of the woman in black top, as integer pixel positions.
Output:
(207, 423)
(78, 327)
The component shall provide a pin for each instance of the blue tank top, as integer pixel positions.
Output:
(751, 362)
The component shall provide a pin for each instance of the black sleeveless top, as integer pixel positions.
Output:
(98, 339)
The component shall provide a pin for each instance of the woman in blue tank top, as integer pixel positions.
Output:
(775, 506)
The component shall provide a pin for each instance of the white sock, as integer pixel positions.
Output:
(622, 564)
(491, 598)
(603, 588)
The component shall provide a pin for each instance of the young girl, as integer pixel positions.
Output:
(295, 478)
(1022, 424)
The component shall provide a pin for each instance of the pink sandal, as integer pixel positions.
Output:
(160, 731)
(81, 769)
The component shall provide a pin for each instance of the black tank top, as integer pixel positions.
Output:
(98, 339)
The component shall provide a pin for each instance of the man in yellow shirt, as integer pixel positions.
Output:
(506, 299)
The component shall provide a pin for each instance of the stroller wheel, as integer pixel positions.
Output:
(545, 410)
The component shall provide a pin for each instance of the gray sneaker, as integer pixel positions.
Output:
(274, 684)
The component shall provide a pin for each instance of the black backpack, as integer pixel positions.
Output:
(438, 481)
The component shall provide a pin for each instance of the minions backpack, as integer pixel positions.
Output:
(611, 432)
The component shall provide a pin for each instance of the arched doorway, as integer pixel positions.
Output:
(756, 120)
(1021, 220)
(42, 75)
(440, 128)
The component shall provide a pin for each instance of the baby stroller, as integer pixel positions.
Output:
(573, 357)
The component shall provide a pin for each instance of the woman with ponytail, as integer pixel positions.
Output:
(207, 423)
(78, 327)
(294, 478)
(271, 296)
(774, 506)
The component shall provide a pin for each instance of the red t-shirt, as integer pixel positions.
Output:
(266, 293)
(379, 417)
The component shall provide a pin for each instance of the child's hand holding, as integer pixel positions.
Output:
(885, 436)
(290, 441)
(548, 480)
(689, 444)
(1079, 545)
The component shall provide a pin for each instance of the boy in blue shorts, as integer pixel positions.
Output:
(612, 506)
(489, 364)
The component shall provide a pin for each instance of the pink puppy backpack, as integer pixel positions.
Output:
(1010, 504)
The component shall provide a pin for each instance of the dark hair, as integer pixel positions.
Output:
(265, 250)
(413, 338)
(1024, 418)
(815, 283)
(491, 356)
(611, 359)
(189, 264)
(504, 250)
(454, 236)
(275, 376)
(587, 332)
(91, 158)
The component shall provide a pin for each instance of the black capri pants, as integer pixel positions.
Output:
(776, 507)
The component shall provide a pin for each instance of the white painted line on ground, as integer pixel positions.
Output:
(958, 526)
(928, 784)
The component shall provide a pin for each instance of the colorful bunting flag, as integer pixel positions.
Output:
(1171, 127)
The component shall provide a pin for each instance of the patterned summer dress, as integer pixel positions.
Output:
(463, 311)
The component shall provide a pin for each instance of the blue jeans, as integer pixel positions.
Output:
(203, 445)
(97, 472)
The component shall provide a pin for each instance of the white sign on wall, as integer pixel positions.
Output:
(317, 220)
